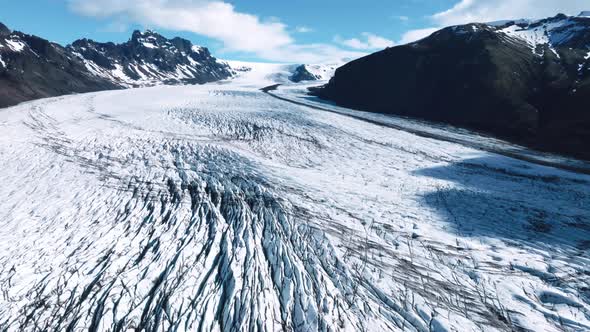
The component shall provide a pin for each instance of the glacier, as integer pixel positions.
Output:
(220, 208)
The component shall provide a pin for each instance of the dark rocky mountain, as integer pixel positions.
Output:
(301, 73)
(149, 58)
(528, 81)
(32, 67)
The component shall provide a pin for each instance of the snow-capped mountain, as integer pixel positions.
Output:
(148, 58)
(272, 73)
(556, 32)
(313, 72)
(32, 67)
(526, 80)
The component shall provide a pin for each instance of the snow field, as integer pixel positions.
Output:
(218, 207)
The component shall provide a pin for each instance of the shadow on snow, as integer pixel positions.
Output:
(512, 200)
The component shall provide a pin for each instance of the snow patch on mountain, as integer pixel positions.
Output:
(323, 72)
(15, 45)
(505, 22)
(534, 37)
(149, 45)
(554, 32)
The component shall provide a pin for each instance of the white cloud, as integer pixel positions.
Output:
(241, 32)
(375, 41)
(303, 29)
(402, 18)
(311, 53)
(352, 43)
(370, 42)
(414, 35)
(469, 11)
(216, 19)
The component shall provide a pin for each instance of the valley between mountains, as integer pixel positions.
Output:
(220, 208)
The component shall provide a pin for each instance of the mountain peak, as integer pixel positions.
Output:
(465, 63)
(149, 58)
(138, 34)
(585, 13)
(4, 31)
(148, 39)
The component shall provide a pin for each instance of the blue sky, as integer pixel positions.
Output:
(268, 30)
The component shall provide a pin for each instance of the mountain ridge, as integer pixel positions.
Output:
(148, 58)
(32, 67)
(524, 81)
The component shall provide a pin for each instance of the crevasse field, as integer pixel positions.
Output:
(221, 208)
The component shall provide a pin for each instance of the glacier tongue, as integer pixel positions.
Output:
(217, 207)
(167, 233)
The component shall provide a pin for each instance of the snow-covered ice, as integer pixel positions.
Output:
(218, 207)
(258, 74)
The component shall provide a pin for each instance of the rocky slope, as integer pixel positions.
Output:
(32, 67)
(312, 73)
(524, 80)
(148, 58)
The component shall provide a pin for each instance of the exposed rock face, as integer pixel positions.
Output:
(302, 74)
(526, 81)
(32, 67)
(4, 31)
(148, 58)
